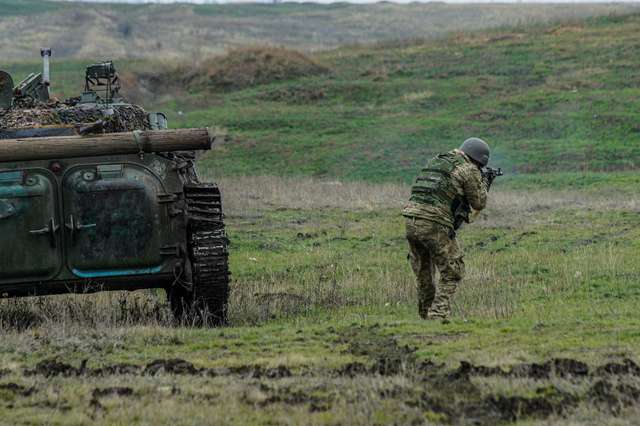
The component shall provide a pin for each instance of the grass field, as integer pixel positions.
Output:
(567, 92)
(564, 92)
(324, 329)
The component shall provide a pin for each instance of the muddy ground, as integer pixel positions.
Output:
(429, 392)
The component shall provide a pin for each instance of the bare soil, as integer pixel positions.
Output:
(453, 395)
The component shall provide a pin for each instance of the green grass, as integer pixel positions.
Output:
(556, 101)
(529, 296)
(261, 10)
(614, 181)
(28, 7)
(534, 93)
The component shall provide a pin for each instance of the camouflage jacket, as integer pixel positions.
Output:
(463, 182)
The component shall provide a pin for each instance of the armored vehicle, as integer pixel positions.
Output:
(97, 194)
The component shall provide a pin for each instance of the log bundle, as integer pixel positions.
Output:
(148, 141)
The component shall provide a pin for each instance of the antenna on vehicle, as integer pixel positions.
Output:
(46, 54)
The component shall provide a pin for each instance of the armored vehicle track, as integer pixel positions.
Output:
(208, 253)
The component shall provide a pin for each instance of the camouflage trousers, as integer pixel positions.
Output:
(432, 248)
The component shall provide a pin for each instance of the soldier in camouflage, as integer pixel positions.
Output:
(447, 181)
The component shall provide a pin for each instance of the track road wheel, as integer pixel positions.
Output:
(205, 301)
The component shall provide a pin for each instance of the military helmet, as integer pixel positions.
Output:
(476, 149)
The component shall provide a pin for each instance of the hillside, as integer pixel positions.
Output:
(192, 31)
(560, 98)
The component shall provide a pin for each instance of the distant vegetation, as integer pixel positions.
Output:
(237, 69)
(12, 8)
(559, 99)
(193, 31)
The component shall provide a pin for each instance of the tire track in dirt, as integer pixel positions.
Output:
(457, 400)
(175, 366)
(453, 395)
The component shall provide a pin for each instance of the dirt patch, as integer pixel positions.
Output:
(252, 66)
(98, 393)
(560, 367)
(266, 395)
(532, 370)
(176, 366)
(117, 369)
(467, 369)
(112, 391)
(254, 372)
(566, 367)
(17, 389)
(516, 407)
(612, 398)
(275, 373)
(306, 235)
(453, 396)
(238, 69)
(549, 400)
(53, 368)
(388, 356)
(626, 367)
(171, 366)
(456, 400)
(353, 369)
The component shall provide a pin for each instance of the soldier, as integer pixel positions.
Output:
(446, 184)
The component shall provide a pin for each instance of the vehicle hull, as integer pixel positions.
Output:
(91, 224)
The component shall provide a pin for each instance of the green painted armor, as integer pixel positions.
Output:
(434, 185)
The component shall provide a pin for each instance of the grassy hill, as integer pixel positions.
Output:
(189, 31)
(558, 99)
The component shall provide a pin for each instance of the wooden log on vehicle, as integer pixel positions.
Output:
(57, 147)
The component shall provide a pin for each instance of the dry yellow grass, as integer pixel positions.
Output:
(252, 193)
(182, 31)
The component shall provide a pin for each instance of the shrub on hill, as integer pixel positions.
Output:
(245, 67)
(237, 69)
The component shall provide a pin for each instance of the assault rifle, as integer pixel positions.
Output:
(489, 174)
(461, 208)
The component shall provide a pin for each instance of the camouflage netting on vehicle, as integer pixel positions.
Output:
(108, 119)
